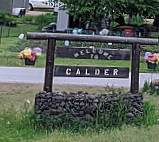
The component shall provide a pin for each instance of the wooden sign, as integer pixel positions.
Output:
(85, 71)
(93, 53)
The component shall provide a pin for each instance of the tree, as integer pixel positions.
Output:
(90, 10)
(3, 18)
(144, 8)
(96, 10)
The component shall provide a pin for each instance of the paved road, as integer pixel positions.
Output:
(35, 13)
(36, 76)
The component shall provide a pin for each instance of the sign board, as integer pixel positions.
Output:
(93, 53)
(87, 71)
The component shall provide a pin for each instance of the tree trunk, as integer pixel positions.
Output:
(130, 19)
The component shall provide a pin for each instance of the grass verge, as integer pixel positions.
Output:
(12, 45)
(19, 124)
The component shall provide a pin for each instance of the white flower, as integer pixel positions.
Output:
(28, 101)
(8, 123)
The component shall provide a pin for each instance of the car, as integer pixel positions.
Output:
(42, 4)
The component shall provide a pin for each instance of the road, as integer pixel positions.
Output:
(35, 13)
(36, 76)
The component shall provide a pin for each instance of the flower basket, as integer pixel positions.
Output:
(28, 62)
(151, 65)
(30, 55)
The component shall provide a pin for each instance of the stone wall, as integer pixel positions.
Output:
(84, 106)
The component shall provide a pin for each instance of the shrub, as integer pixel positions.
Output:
(146, 87)
(151, 89)
(45, 20)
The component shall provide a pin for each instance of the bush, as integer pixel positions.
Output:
(146, 87)
(150, 89)
(45, 20)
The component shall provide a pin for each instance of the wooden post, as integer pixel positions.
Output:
(49, 65)
(135, 68)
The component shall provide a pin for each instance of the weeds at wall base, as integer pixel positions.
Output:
(107, 121)
(150, 89)
(25, 125)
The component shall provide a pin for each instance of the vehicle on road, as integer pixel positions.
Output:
(40, 4)
(14, 7)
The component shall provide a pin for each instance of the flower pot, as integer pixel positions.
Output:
(28, 62)
(151, 65)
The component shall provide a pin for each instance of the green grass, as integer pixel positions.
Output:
(44, 10)
(16, 126)
(12, 45)
(10, 58)
(124, 134)
(16, 31)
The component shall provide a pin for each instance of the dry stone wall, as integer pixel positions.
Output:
(84, 106)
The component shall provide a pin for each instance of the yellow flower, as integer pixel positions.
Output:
(27, 51)
(37, 53)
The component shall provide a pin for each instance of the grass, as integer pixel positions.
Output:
(12, 45)
(44, 10)
(9, 51)
(151, 89)
(16, 126)
(125, 134)
(16, 31)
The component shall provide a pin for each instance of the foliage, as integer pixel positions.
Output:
(17, 127)
(150, 117)
(154, 90)
(150, 88)
(151, 49)
(144, 8)
(4, 17)
(16, 31)
(27, 18)
(145, 87)
(113, 90)
(26, 126)
(45, 20)
(23, 126)
(7, 18)
(136, 20)
(94, 10)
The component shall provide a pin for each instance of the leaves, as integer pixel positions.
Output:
(96, 10)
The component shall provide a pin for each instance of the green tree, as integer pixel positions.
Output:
(96, 10)
(90, 10)
(3, 19)
(146, 8)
